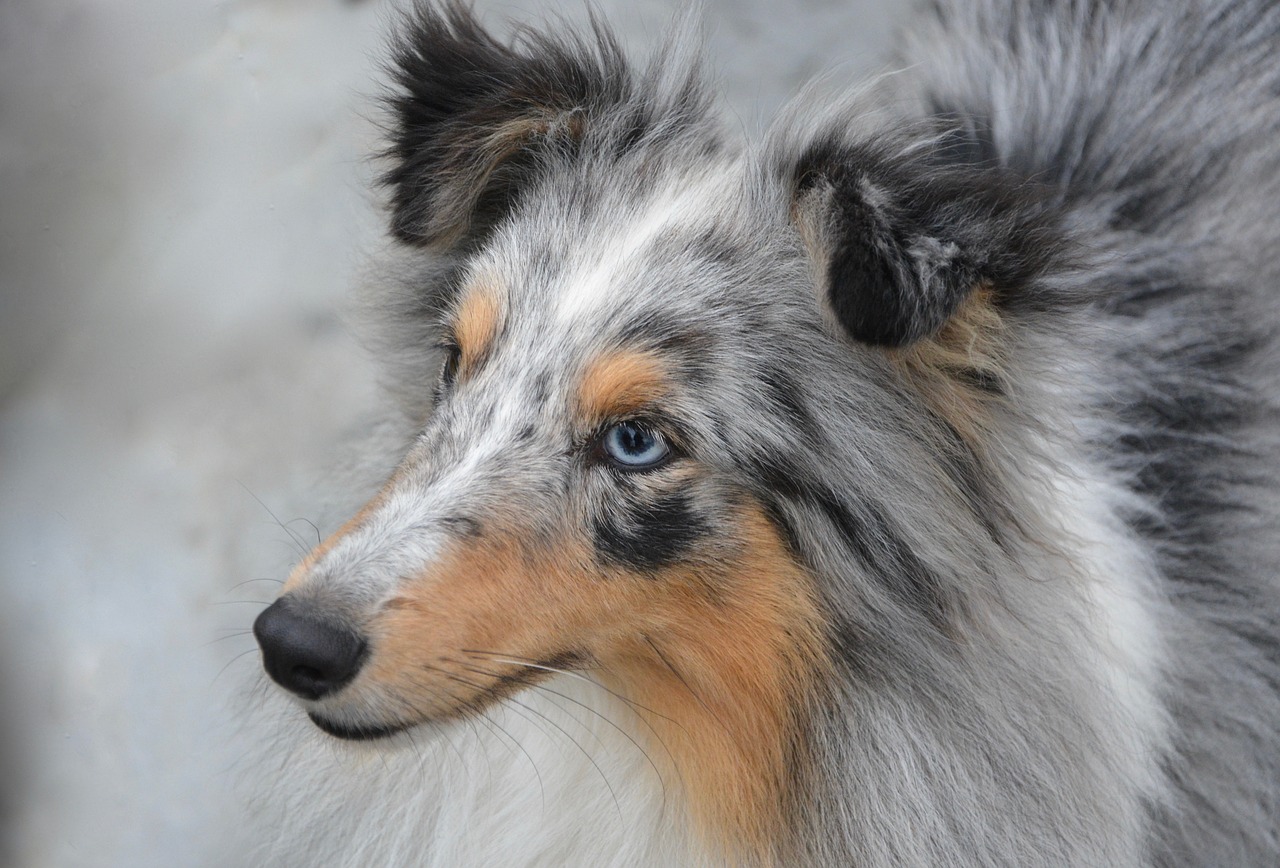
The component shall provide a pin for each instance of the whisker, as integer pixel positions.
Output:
(687, 686)
(302, 548)
(235, 635)
(661, 781)
(228, 664)
(489, 674)
(513, 701)
(415, 711)
(402, 706)
(251, 581)
(514, 660)
(319, 539)
(483, 718)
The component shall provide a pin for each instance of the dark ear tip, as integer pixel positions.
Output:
(872, 289)
(875, 325)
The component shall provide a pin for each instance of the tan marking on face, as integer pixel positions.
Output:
(722, 654)
(746, 669)
(725, 651)
(972, 340)
(619, 384)
(476, 325)
(489, 597)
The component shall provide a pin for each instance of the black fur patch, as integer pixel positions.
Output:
(458, 87)
(869, 534)
(978, 491)
(648, 536)
(787, 399)
(541, 391)
(462, 526)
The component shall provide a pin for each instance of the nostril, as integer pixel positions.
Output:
(310, 683)
(304, 653)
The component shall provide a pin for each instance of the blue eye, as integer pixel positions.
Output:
(634, 447)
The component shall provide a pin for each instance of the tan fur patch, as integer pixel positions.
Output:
(476, 324)
(724, 655)
(620, 384)
(942, 368)
(463, 604)
(732, 677)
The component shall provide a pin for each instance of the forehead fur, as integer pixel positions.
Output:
(608, 244)
(685, 270)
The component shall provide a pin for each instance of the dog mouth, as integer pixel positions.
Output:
(357, 733)
(502, 686)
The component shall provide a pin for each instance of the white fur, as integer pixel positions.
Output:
(541, 780)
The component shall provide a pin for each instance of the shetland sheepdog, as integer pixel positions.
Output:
(898, 489)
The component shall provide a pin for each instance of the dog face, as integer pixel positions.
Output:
(576, 499)
(571, 499)
(666, 414)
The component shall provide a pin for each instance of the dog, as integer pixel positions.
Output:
(896, 490)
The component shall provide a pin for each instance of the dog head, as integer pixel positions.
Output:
(675, 403)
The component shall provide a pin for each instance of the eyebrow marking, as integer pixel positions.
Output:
(620, 383)
(476, 324)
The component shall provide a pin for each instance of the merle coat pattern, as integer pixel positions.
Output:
(960, 548)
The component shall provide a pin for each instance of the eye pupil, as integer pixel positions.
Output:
(634, 440)
(634, 446)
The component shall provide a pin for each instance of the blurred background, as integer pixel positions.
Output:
(185, 206)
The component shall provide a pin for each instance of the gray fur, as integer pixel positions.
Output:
(1056, 646)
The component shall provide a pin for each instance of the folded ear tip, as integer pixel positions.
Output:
(477, 122)
(876, 319)
(874, 286)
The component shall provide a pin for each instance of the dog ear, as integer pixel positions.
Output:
(904, 234)
(471, 116)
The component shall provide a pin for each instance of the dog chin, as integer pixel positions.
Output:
(357, 733)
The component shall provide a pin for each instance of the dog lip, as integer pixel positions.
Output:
(357, 733)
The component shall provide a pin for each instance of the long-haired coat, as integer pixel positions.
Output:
(897, 491)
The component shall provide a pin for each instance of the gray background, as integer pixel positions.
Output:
(184, 208)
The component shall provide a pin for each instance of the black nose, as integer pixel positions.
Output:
(304, 654)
